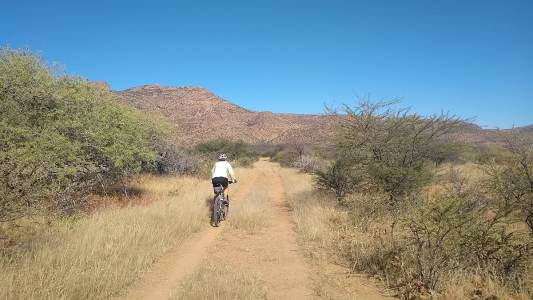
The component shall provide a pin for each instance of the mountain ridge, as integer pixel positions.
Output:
(201, 115)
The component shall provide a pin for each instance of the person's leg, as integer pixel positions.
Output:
(226, 188)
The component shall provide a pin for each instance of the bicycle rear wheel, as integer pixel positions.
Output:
(215, 218)
(225, 211)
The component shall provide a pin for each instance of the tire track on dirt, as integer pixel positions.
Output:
(272, 252)
(182, 260)
(296, 276)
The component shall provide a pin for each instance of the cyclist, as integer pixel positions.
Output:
(222, 173)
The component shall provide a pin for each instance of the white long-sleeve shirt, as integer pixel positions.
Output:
(223, 169)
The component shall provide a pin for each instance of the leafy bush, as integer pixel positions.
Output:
(238, 151)
(414, 235)
(171, 159)
(265, 150)
(486, 153)
(285, 157)
(447, 152)
(438, 235)
(61, 137)
(309, 163)
(338, 178)
(452, 232)
(511, 184)
(392, 146)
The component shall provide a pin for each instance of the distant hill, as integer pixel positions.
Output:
(202, 115)
(528, 129)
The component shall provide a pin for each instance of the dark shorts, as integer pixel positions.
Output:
(220, 180)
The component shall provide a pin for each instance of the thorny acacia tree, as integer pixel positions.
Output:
(391, 145)
(389, 149)
(512, 183)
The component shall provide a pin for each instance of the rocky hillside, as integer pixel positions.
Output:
(201, 116)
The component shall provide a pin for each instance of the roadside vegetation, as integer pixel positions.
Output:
(62, 138)
(398, 203)
(308, 158)
(74, 185)
(80, 214)
(240, 154)
(393, 196)
(97, 257)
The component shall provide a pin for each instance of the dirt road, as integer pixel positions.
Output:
(272, 252)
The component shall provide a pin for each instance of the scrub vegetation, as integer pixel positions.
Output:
(98, 256)
(93, 192)
(423, 226)
(62, 138)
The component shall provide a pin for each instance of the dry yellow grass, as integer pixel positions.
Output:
(22, 231)
(254, 212)
(311, 212)
(320, 225)
(326, 231)
(219, 282)
(98, 256)
(462, 285)
(472, 171)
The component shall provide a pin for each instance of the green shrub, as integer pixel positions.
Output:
(449, 152)
(413, 235)
(265, 150)
(511, 184)
(338, 178)
(238, 151)
(452, 232)
(61, 137)
(391, 146)
(286, 157)
(309, 164)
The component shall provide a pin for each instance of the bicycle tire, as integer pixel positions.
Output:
(215, 218)
(226, 211)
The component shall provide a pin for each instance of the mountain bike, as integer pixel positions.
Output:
(220, 206)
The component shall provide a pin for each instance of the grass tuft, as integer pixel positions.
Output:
(253, 213)
(221, 283)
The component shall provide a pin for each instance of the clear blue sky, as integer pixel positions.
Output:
(472, 58)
